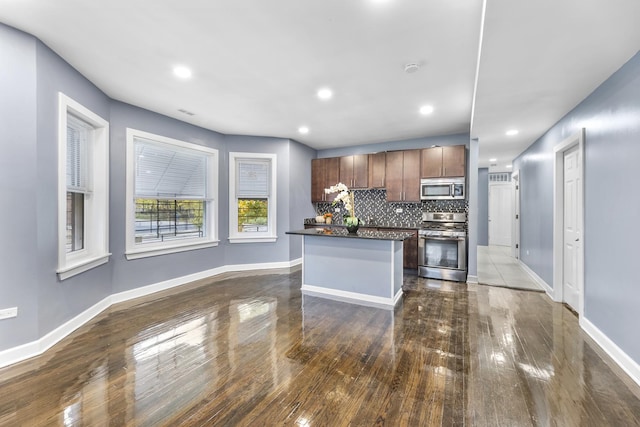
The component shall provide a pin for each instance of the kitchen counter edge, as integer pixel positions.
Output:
(361, 234)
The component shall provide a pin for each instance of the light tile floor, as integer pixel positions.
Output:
(496, 267)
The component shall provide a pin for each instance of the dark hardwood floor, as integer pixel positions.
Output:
(247, 349)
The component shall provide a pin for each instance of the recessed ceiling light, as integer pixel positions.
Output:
(512, 132)
(509, 166)
(325, 93)
(493, 160)
(182, 72)
(426, 110)
(303, 130)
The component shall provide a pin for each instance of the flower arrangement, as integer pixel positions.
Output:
(345, 196)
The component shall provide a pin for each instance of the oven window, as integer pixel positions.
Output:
(441, 253)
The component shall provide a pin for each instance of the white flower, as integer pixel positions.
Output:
(344, 196)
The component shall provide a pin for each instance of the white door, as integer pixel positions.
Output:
(500, 213)
(572, 227)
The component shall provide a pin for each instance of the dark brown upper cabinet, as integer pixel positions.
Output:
(354, 171)
(437, 162)
(377, 166)
(403, 176)
(324, 173)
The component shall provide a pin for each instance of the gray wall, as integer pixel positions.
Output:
(612, 204)
(300, 206)
(60, 301)
(18, 185)
(483, 206)
(30, 79)
(132, 274)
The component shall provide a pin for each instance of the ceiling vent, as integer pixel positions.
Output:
(188, 113)
(412, 67)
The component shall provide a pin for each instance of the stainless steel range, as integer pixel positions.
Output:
(442, 246)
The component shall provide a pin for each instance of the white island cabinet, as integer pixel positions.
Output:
(363, 268)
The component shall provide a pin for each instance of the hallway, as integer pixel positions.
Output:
(496, 267)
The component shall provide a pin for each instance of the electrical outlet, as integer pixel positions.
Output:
(398, 210)
(8, 313)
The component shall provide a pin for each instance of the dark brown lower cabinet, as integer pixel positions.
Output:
(410, 255)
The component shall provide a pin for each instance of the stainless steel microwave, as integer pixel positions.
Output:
(442, 189)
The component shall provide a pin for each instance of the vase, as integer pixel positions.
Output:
(353, 229)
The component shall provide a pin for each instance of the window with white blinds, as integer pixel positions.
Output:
(83, 189)
(171, 195)
(253, 177)
(252, 202)
(169, 172)
(78, 134)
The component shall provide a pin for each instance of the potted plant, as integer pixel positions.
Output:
(345, 196)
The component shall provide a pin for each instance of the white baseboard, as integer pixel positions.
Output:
(548, 289)
(616, 353)
(38, 347)
(352, 297)
(473, 280)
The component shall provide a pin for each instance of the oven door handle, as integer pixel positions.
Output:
(441, 238)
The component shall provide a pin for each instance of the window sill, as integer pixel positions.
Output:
(253, 239)
(82, 265)
(138, 253)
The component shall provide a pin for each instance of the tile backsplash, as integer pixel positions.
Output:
(372, 208)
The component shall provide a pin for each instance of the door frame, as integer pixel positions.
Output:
(515, 218)
(574, 140)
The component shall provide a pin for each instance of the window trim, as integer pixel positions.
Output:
(252, 237)
(96, 212)
(134, 251)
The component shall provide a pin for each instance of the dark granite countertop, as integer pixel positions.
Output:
(375, 225)
(363, 233)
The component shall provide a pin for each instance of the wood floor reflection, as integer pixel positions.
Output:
(247, 349)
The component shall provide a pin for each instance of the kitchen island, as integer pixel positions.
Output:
(363, 268)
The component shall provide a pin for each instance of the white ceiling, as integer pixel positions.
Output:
(258, 64)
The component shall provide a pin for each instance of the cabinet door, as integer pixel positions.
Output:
(331, 176)
(346, 171)
(394, 176)
(324, 173)
(377, 165)
(453, 161)
(360, 171)
(409, 248)
(318, 167)
(411, 176)
(410, 254)
(431, 162)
